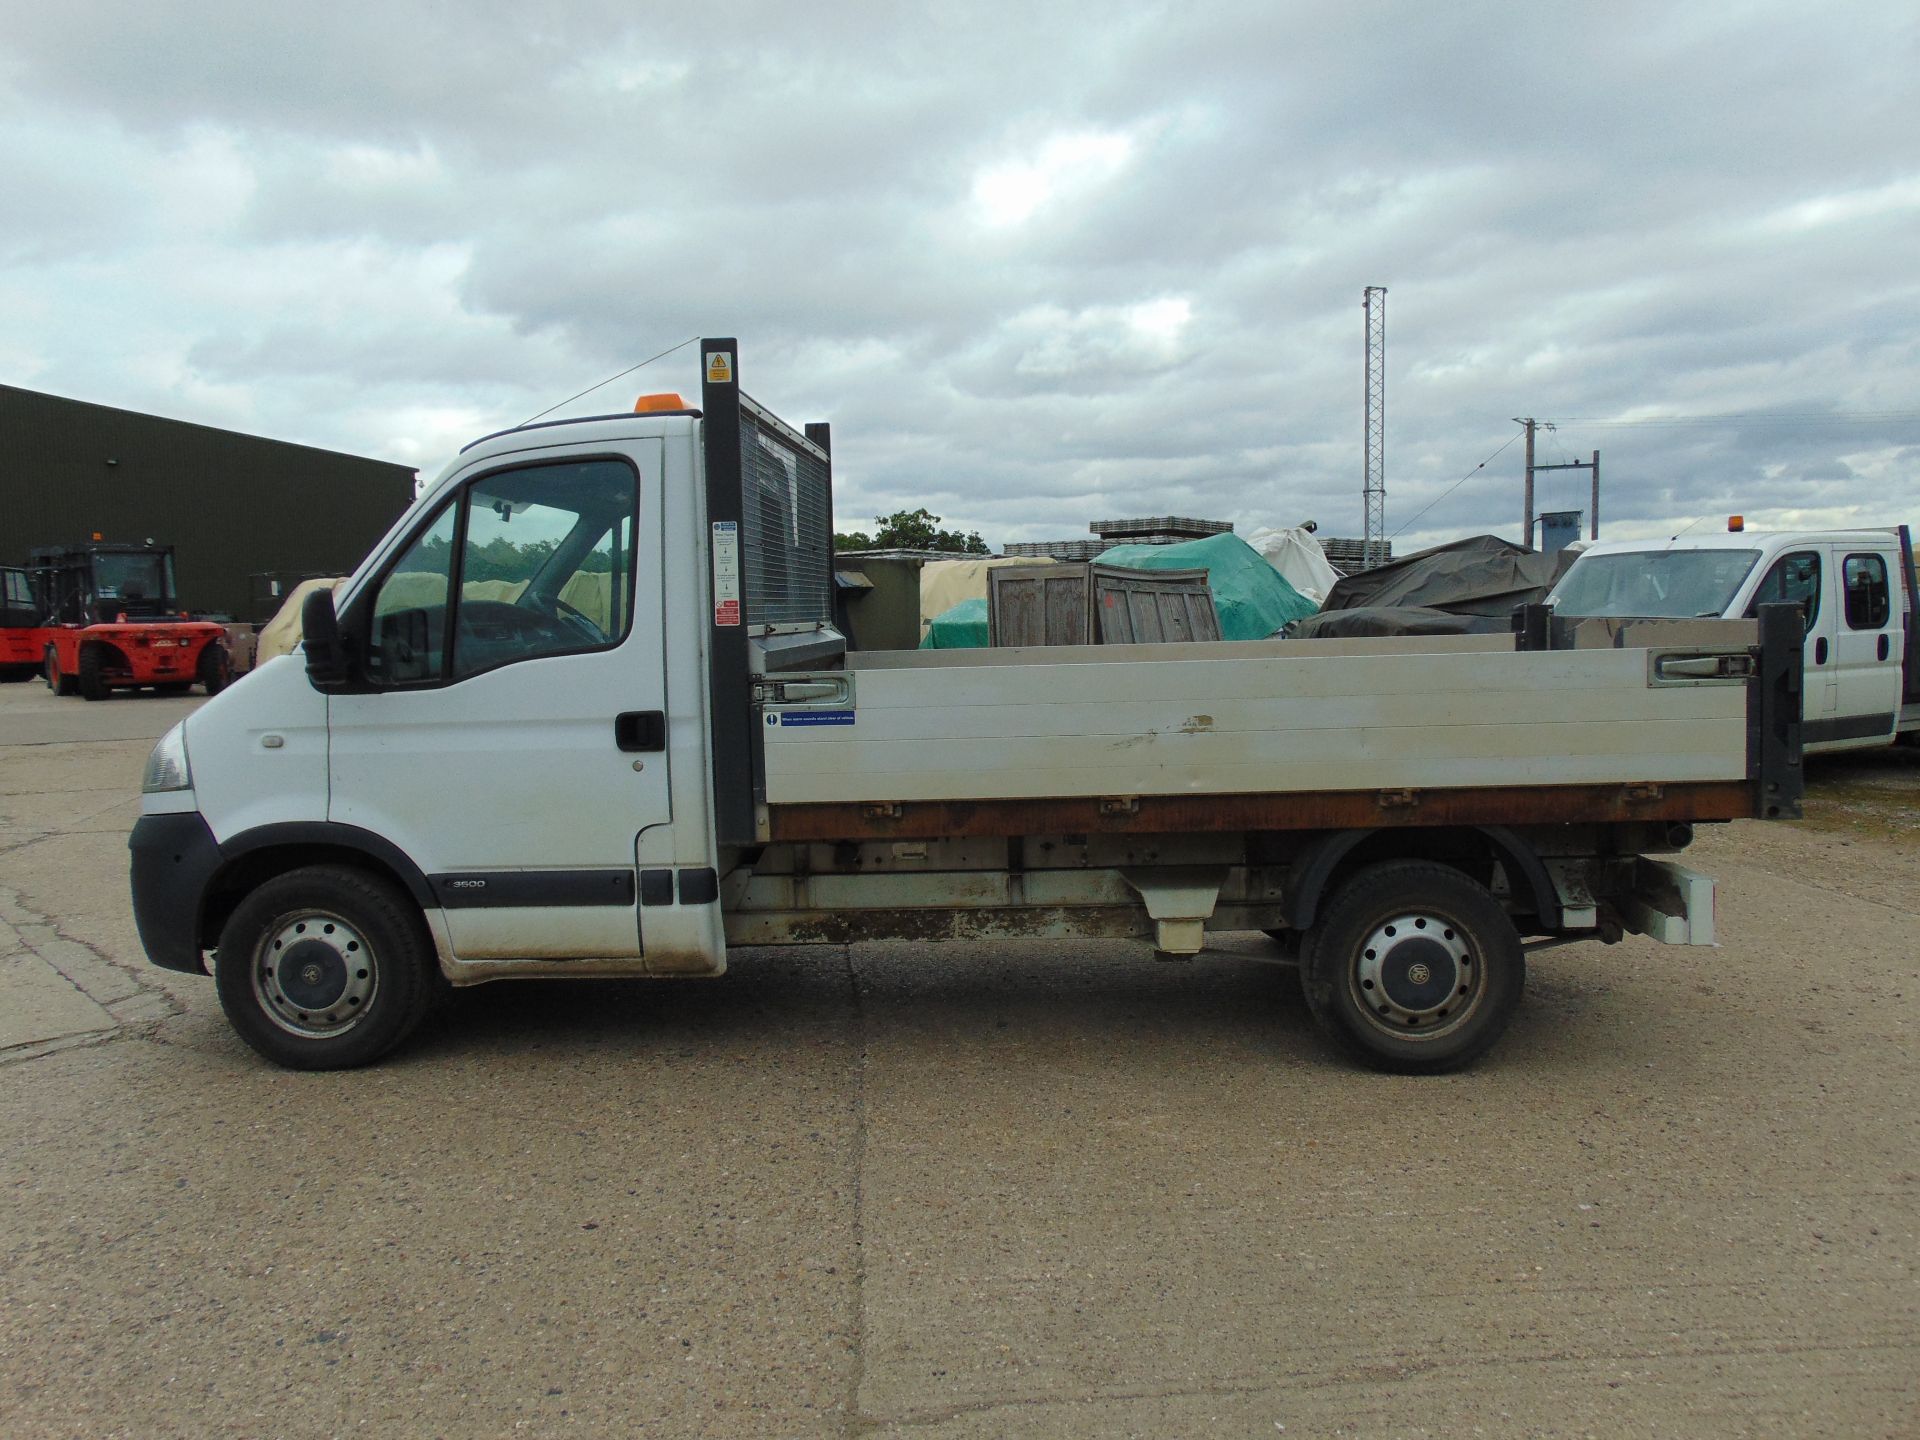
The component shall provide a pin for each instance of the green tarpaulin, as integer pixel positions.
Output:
(964, 627)
(1252, 599)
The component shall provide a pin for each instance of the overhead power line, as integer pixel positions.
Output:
(611, 378)
(1761, 417)
(1455, 486)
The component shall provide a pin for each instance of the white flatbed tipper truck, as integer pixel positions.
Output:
(583, 713)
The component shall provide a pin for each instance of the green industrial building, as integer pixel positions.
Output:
(245, 515)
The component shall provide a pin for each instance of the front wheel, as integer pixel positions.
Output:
(93, 680)
(1413, 968)
(324, 968)
(215, 671)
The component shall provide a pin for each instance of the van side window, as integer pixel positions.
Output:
(521, 565)
(408, 643)
(1868, 603)
(1795, 580)
(546, 565)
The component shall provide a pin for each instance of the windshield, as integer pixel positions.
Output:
(130, 577)
(1653, 584)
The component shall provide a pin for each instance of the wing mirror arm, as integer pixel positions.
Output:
(329, 666)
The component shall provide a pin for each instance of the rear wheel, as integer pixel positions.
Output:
(324, 968)
(58, 680)
(93, 680)
(215, 671)
(1413, 968)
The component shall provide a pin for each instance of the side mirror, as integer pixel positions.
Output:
(327, 667)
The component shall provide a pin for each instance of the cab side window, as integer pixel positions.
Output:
(1793, 580)
(408, 643)
(521, 565)
(1868, 602)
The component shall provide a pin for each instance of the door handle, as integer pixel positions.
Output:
(1820, 651)
(1884, 647)
(640, 731)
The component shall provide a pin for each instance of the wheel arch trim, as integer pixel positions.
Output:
(1313, 871)
(329, 834)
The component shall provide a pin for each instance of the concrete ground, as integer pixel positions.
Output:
(1033, 1189)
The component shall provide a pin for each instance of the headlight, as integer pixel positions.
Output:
(167, 767)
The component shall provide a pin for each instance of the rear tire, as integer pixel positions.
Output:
(93, 682)
(57, 679)
(215, 670)
(1413, 968)
(324, 968)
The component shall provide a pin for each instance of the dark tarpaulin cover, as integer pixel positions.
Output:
(1481, 575)
(1368, 620)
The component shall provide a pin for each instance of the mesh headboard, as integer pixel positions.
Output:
(786, 521)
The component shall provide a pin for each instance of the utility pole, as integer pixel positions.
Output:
(1532, 469)
(1526, 522)
(1593, 515)
(1373, 483)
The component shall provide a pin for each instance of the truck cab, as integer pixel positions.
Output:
(102, 583)
(1854, 590)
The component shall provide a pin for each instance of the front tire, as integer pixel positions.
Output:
(324, 968)
(215, 671)
(1413, 968)
(93, 680)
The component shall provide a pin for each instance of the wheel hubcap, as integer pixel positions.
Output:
(314, 975)
(1415, 975)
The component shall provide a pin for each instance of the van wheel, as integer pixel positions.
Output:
(58, 680)
(93, 683)
(1413, 968)
(324, 968)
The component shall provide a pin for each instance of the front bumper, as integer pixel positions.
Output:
(175, 858)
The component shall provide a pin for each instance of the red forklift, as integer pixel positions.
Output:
(20, 649)
(110, 619)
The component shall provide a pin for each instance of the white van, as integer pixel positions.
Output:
(1862, 678)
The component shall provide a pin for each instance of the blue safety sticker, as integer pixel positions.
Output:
(791, 718)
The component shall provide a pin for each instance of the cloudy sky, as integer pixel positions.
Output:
(1038, 264)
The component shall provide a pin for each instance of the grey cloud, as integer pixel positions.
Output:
(1578, 216)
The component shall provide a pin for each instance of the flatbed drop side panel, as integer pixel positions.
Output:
(1097, 739)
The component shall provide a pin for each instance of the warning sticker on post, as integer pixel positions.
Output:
(726, 572)
(719, 367)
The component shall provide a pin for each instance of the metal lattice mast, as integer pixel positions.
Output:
(1374, 480)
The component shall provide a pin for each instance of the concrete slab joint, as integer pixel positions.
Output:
(61, 991)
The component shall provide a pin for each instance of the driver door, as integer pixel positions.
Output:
(509, 734)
